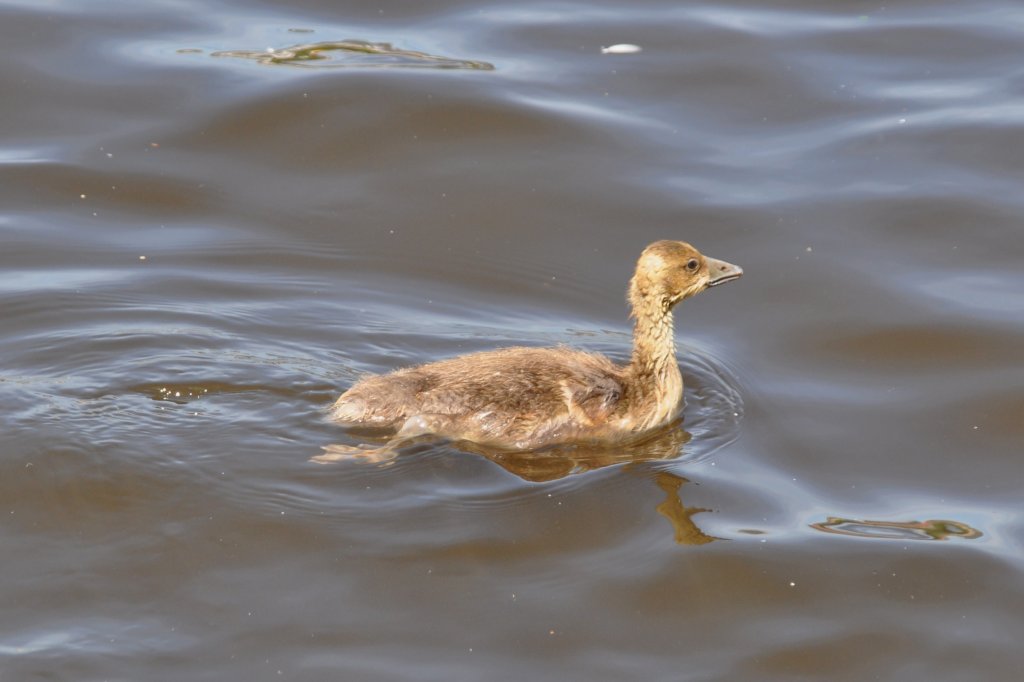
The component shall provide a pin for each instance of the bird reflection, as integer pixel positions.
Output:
(680, 516)
(550, 464)
(535, 466)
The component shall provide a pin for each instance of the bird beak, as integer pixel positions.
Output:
(720, 272)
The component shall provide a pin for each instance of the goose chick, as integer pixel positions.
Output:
(527, 398)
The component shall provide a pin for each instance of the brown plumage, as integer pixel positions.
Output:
(526, 398)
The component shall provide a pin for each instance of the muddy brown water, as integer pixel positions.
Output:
(215, 216)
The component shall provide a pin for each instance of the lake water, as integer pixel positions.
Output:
(214, 217)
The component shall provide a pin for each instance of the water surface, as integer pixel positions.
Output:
(202, 246)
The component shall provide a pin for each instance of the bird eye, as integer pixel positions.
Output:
(692, 265)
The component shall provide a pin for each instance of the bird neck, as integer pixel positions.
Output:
(654, 373)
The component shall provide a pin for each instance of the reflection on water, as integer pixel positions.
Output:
(680, 516)
(541, 466)
(536, 466)
(933, 529)
(559, 462)
(353, 53)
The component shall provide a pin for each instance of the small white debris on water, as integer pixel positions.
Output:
(621, 48)
(903, 120)
(792, 584)
(142, 258)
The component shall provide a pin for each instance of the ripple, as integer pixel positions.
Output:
(714, 404)
(997, 296)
